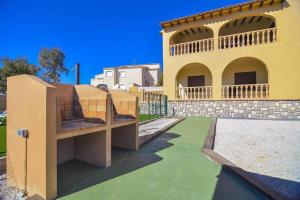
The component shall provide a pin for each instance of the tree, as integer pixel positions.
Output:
(52, 62)
(161, 80)
(15, 67)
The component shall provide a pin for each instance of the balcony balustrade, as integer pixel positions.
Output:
(252, 38)
(244, 39)
(252, 91)
(194, 93)
(197, 46)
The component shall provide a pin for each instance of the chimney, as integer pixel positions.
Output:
(77, 71)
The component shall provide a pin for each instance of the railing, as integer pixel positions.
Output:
(151, 89)
(252, 38)
(197, 46)
(194, 93)
(152, 95)
(253, 91)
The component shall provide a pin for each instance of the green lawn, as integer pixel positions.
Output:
(143, 117)
(171, 167)
(2, 140)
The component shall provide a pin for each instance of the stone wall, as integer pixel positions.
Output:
(2, 103)
(153, 109)
(268, 109)
(2, 164)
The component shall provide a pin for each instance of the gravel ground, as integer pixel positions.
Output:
(268, 149)
(154, 126)
(7, 192)
(150, 130)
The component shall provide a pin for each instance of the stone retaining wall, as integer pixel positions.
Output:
(2, 164)
(153, 109)
(267, 109)
(2, 103)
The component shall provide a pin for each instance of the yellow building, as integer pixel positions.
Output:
(245, 51)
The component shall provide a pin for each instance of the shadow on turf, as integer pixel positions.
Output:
(233, 187)
(75, 176)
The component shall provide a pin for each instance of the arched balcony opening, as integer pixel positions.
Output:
(194, 81)
(248, 31)
(245, 78)
(192, 40)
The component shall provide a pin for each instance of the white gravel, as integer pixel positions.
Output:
(149, 130)
(8, 192)
(154, 126)
(268, 149)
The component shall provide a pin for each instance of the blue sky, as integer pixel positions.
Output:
(95, 33)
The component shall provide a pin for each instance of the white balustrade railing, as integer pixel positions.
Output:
(194, 93)
(197, 46)
(251, 91)
(150, 89)
(252, 38)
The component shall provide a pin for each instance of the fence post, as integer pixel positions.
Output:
(148, 105)
(166, 105)
(160, 105)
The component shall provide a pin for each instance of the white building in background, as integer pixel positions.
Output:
(124, 77)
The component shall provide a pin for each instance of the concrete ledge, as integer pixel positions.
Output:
(208, 151)
(144, 139)
(2, 164)
(148, 121)
(183, 100)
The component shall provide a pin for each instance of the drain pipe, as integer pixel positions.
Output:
(25, 167)
(24, 134)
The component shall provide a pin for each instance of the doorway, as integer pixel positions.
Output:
(196, 81)
(245, 78)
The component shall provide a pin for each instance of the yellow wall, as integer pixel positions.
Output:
(281, 57)
(31, 104)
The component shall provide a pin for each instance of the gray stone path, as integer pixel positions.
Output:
(151, 129)
(268, 149)
(8, 192)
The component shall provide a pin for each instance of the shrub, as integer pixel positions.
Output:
(2, 121)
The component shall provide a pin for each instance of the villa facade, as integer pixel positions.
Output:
(248, 51)
(124, 77)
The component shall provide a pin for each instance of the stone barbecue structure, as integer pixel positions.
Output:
(49, 124)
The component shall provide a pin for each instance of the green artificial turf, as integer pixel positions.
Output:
(143, 117)
(171, 167)
(2, 141)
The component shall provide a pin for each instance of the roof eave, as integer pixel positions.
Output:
(216, 12)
